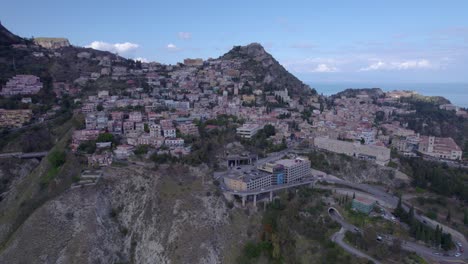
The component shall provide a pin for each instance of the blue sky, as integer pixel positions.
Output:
(335, 41)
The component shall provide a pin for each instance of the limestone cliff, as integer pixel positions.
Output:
(52, 43)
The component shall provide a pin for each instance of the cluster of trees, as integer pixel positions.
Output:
(88, 147)
(261, 142)
(439, 178)
(436, 237)
(56, 159)
(367, 241)
(141, 150)
(284, 222)
(430, 120)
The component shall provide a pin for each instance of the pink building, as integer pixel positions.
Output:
(22, 84)
(135, 117)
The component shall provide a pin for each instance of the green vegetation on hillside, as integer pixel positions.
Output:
(437, 177)
(430, 120)
(435, 237)
(296, 229)
(261, 142)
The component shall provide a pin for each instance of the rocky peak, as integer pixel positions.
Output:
(253, 51)
(263, 65)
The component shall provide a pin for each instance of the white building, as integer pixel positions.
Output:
(295, 169)
(248, 130)
(155, 130)
(443, 148)
(169, 132)
(174, 142)
(379, 154)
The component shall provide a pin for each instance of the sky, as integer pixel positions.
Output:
(318, 41)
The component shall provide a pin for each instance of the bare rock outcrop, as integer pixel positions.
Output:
(52, 43)
(134, 215)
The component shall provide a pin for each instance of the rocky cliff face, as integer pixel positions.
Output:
(134, 215)
(52, 43)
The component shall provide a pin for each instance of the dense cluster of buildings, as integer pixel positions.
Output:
(161, 102)
(22, 85)
(14, 118)
(349, 128)
(284, 171)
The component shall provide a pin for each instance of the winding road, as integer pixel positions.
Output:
(419, 249)
(384, 199)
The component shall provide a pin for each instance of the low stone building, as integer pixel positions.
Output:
(363, 205)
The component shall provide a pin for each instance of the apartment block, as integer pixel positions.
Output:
(379, 154)
(248, 130)
(14, 118)
(442, 148)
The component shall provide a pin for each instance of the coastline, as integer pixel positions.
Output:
(457, 93)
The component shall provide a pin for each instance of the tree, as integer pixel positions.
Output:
(105, 137)
(396, 246)
(449, 216)
(399, 211)
(138, 64)
(465, 217)
(88, 146)
(379, 116)
(269, 130)
(146, 128)
(411, 214)
(99, 107)
(276, 246)
(57, 158)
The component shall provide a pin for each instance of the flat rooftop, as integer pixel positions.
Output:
(249, 126)
(248, 175)
(289, 162)
(364, 200)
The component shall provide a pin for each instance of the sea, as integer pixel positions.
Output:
(457, 93)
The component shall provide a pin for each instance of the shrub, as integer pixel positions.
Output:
(57, 158)
(105, 137)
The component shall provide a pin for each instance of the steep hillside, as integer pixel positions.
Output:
(8, 38)
(134, 215)
(268, 71)
(48, 58)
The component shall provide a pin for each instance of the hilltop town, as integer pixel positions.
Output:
(207, 142)
(163, 103)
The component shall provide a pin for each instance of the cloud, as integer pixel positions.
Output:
(313, 65)
(324, 68)
(172, 47)
(185, 35)
(401, 65)
(121, 48)
(141, 59)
